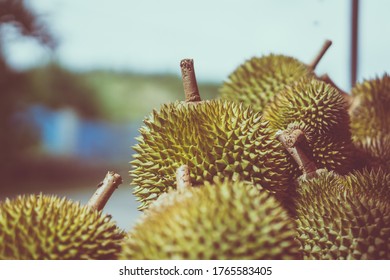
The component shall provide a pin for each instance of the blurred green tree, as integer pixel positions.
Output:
(16, 136)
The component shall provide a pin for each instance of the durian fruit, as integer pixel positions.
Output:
(258, 80)
(37, 227)
(223, 220)
(319, 110)
(344, 217)
(214, 138)
(370, 120)
(43, 227)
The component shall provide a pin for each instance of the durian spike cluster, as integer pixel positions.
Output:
(370, 121)
(43, 227)
(232, 150)
(221, 220)
(344, 217)
(223, 139)
(40, 227)
(258, 80)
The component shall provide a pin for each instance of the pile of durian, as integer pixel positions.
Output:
(282, 165)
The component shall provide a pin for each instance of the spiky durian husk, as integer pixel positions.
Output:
(38, 227)
(374, 151)
(215, 139)
(320, 112)
(225, 220)
(370, 109)
(344, 218)
(319, 106)
(375, 182)
(370, 121)
(332, 153)
(259, 79)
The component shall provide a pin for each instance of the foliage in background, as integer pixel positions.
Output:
(112, 96)
(16, 134)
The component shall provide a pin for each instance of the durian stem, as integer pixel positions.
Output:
(183, 179)
(347, 97)
(292, 141)
(105, 190)
(190, 85)
(312, 66)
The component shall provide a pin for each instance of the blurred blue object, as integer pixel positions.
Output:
(64, 133)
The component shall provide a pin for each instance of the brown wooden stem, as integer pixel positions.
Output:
(190, 85)
(105, 190)
(183, 179)
(312, 66)
(292, 141)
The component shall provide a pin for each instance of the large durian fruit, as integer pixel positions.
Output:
(320, 111)
(370, 121)
(39, 227)
(215, 138)
(223, 220)
(259, 79)
(345, 217)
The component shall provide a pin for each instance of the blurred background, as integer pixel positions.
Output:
(77, 77)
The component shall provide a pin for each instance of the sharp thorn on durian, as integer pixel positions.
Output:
(220, 220)
(183, 179)
(104, 191)
(347, 97)
(190, 85)
(294, 142)
(40, 227)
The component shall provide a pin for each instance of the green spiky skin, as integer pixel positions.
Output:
(215, 139)
(370, 114)
(316, 104)
(370, 120)
(41, 227)
(319, 110)
(221, 221)
(259, 79)
(345, 217)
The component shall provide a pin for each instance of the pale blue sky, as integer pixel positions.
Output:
(152, 36)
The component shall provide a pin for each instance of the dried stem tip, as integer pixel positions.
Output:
(105, 190)
(312, 66)
(191, 90)
(292, 142)
(183, 179)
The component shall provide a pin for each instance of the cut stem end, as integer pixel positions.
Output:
(292, 142)
(183, 179)
(190, 85)
(104, 191)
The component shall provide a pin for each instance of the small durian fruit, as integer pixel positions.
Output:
(317, 105)
(374, 151)
(319, 110)
(259, 79)
(344, 217)
(370, 121)
(215, 138)
(222, 220)
(43, 227)
(370, 109)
